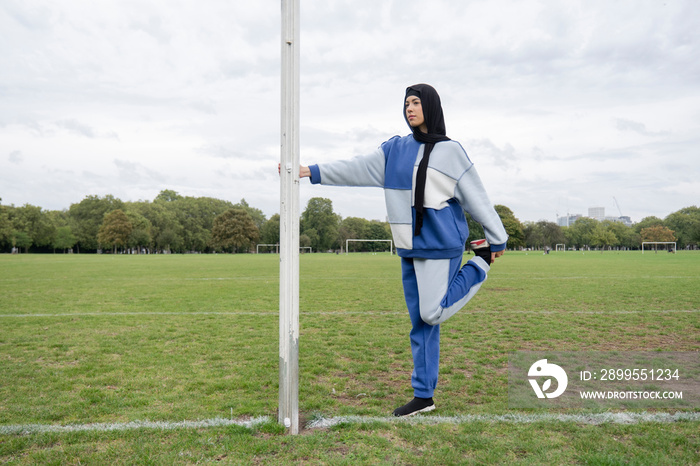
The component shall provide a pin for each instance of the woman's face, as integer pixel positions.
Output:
(414, 113)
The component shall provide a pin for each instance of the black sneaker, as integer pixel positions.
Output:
(481, 248)
(415, 406)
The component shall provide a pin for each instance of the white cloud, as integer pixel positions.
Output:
(15, 157)
(76, 127)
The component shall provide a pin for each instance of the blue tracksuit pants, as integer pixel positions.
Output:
(435, 289)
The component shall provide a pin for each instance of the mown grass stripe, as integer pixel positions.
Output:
(340, 278)
(273, 313)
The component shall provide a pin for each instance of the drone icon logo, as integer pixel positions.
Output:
(542, 368)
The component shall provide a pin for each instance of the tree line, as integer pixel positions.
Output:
(589, 233)
(176, 223)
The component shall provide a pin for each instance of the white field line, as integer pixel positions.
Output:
(112, 314)
(24, 429)
(601, 418)
(641, 311)
(331, 313)
(324, 423)
(503, 276)
(197, 279)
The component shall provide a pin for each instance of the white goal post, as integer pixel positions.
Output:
(563, 247)
(391, 243)
(656, 243)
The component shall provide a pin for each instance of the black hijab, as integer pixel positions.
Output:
(435, 122)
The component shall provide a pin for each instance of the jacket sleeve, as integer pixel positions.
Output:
(471, 195)
(366, 170)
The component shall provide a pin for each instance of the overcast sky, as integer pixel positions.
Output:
(561, 105)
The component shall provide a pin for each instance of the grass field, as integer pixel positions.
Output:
(92, 345)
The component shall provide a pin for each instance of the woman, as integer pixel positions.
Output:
(429, 182)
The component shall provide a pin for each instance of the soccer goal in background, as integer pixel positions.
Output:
(560, 247)
(391, 243)
(669, 246)
(276, 247)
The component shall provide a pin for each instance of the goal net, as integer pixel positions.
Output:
(560, 247)
(371, 247)
(269, 248)
(655, 246)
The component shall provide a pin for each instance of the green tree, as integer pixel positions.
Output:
(188, 220)
(516, 234)
(5, 226)
(552, 233)
(353, 228)
(304, 241)
(64, 238)
(59, 218)
(377, 230)
(256, 214)
(603, 237)
(166, 230)
(21, 240)
(168, 240)
(658, 233)
(580, 234)
(686, 226)
(270, 231)
(86, 218)
(310, 238)
(167, 195)
(234, 230)
(196, 215)
(626, 236)
(115, 230)
(542, 234)
(647, 222)
(534, 236)
(140, 236)
(319, 216)
(35, 223)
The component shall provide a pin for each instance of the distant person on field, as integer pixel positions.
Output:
(429, 182)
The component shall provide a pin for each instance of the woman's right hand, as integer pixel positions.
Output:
(304, 172)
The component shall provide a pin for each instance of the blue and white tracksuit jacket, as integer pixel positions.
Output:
(435, 284)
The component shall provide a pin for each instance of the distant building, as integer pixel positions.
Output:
(568, 220)
(626, 220)
(597, 213)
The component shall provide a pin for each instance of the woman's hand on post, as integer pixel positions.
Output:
(304, 172)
